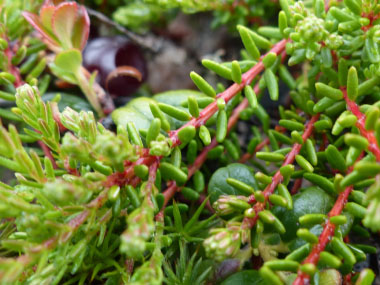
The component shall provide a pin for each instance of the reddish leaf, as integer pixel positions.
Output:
(35, 21)
(81, 29)
(64, 18)
(53, 2)
(46, 15)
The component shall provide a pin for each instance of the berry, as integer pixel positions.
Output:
(106, 54)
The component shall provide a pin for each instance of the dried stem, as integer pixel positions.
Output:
(149, 42)
(277, 178)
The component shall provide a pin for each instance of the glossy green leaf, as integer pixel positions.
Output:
(218, 182)
(245, 277)
(311, 200)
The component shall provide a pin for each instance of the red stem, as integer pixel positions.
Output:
(296, 186)
(228, 94)
(260, 146)
(47, 153)
(329, 228)
(360, 123)
(325, 236)
(277, 178)
(327, 233)
(173, 188)
(11, 68)
(247, 156)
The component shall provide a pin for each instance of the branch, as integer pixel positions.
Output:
(277, 178)
(228, 94)
(151, 42)
(360, 123)
(11, 68)
(327, 233)
(173, 188)
(211, 109)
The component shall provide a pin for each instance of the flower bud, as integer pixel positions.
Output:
(227, 204)
(224, 242)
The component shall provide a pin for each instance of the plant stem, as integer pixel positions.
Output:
(173, 188)
(277, 178)
(90, 94)
(327, 233)
(247, 156)
(228, 94)
(11, 68)
(329, 228)
(360, 123)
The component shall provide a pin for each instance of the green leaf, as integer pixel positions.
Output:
(69, 60)
(138, 110)
(219, 186)
(68, 100)
(245, 277)
(63, 22)
(311, 200)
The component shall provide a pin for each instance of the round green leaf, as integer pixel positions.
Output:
(68, 100)
(219, 186)
(311, 200)
(245, 277)
(138, 110)
(69, 60)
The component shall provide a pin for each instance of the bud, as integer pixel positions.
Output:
(68, 192)
(224, 242)
(78, 148)
(150, 272)
(159, 148)
(227, 204)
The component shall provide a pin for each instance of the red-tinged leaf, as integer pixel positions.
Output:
(53, 2)
(64, 18)
(35, 21)
(46, 15)
(81, 29)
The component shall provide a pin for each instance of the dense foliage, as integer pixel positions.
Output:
(190, 187)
